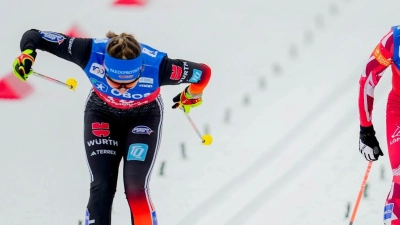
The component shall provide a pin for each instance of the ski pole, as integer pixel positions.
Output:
(205, 139)
(353, 215)
(71, 83)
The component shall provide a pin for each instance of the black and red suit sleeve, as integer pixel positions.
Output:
(178, 71)
(73, 49)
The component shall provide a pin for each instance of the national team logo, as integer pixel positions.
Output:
(101, 129)
(97, 70)
(142, 130)
(52, 37)
(176, 72)
(196, 76)
(137, 152)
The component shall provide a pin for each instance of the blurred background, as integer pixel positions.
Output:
(281, 106)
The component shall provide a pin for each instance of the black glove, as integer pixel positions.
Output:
(368, 144)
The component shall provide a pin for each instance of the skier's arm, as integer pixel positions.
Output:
(379, 60)
(178, 71)
(76, 50)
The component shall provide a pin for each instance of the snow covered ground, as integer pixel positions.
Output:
(289, 156)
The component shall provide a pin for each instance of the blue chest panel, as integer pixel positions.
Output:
(148, 82)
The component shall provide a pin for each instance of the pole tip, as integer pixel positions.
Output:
(72, 83)
(207, 139)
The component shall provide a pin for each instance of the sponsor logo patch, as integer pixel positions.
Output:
(52, 37)
(142, 130)
(97, 70)
(101, 129)
(196, 76)
(149, 52)
(137, 152)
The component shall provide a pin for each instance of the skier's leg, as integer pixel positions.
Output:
(392, 204)
(103, 154)
(143, 141)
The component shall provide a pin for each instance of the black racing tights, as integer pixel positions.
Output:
(110, 135)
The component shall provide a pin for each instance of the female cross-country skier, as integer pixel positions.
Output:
(385, 54)
(124, 111)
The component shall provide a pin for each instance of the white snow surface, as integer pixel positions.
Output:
(289, 157)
